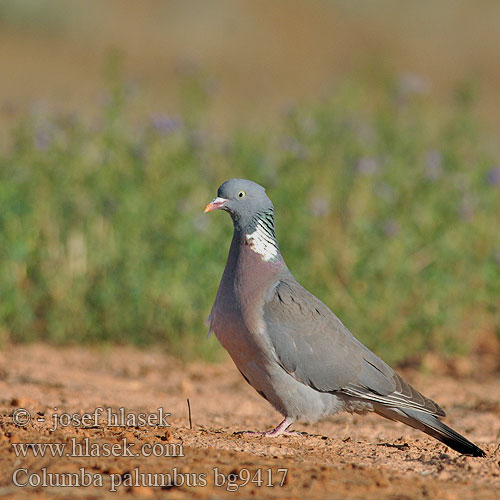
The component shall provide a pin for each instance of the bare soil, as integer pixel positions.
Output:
(345, 456)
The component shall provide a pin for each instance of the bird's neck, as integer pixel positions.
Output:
(246, 278)
(254, 252)
(258, 236)
(252, 263)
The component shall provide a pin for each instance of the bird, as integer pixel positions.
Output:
(290, 347)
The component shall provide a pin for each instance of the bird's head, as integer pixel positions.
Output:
(246, 201)
(253, 215)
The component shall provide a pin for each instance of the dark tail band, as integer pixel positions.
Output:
(432, 426)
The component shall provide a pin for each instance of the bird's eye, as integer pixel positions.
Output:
(241, 194)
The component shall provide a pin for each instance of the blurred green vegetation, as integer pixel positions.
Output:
(387, 208)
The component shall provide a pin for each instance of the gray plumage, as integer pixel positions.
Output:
(290, 346)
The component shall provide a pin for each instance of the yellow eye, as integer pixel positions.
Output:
(241, 194)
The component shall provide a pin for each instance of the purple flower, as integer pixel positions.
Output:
(493, 176)
(413, 83)
(165, 124)
(497, 258)
(391, 227)
(201, 223)
(367, 165)
(365, 133)
(319, 206)
(309, 125)
(384, 191)
(43, 138)
(433, 161)
(467, 209)
(294, 147)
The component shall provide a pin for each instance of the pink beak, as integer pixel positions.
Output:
(215, 204)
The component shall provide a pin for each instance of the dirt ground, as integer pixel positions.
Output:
(345, 456)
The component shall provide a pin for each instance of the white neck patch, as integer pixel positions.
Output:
(262, 243)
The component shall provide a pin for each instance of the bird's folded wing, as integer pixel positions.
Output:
(313, 345)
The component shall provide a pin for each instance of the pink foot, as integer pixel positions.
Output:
(279, 430)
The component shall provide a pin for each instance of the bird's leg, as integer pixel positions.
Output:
(279, 430)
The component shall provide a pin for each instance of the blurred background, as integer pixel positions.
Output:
(373, 126)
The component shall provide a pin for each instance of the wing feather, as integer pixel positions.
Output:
(313, 345)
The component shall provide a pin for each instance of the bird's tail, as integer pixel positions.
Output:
(431, 425)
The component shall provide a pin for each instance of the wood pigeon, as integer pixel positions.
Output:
(289, 346)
